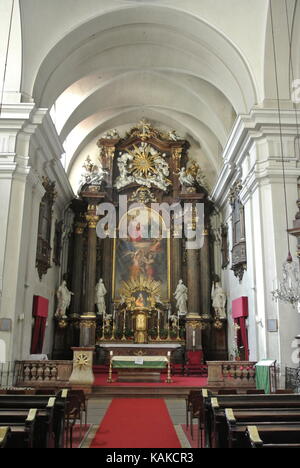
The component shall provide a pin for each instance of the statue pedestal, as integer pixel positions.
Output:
(82, 377)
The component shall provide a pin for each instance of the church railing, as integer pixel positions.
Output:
(292, 379)
(9, 373)
(44, 373)
(232, 374)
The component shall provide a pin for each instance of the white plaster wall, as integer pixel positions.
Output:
(14, 63)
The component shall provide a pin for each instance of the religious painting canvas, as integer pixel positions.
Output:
(141, 255)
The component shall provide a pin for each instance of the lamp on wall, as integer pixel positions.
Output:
(288, 289)
(6, 55)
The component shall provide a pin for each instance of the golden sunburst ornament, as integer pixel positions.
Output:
(143, 164)
(82, 361)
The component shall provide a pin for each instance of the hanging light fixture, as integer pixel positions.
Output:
(6, 55)
(288, 290)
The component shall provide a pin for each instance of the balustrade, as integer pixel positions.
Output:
(44, 373)
(232, 374)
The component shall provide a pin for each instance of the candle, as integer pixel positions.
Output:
(194, 338)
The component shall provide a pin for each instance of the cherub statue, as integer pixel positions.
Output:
(173, 136)
(92, 174)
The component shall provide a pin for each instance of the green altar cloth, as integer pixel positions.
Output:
(263, 375)
(136, 362)
(133, 365)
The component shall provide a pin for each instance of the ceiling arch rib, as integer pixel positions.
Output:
(144, 88)
(75, 45)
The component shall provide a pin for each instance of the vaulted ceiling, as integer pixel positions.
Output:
(192, 66)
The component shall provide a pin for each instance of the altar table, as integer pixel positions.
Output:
(139, 368)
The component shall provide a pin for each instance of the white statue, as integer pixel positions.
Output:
(219, 300)
(181, 296)
(100, 293)
(64, 300)
(111, 135)
(124, 178)
(174, 320)
(186, 179)
(92, 174)
(173, 136)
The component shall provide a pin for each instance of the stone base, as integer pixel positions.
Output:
(82, 375)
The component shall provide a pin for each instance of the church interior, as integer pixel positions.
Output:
(150, 225)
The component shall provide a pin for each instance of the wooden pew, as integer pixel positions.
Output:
(5, 433)
(44, 433)
(22, 427)
(239, 420)
(280, 436)
(214, 412)
(41, 402)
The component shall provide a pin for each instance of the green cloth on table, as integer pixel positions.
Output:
(263, 376)
(133, 365)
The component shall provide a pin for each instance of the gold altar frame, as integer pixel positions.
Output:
(168, 239)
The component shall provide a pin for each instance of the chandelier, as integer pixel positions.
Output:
(288, 289)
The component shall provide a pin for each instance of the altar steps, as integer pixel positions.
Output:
(140, 392)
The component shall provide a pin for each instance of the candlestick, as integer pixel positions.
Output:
(110, 380)
(169, 379)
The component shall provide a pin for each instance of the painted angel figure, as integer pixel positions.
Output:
(100, 293)
(219, 300)
(181, 296)
(64, 300)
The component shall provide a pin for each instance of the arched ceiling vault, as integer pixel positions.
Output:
(149, 61)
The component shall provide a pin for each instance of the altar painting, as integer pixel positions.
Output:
(141, 256)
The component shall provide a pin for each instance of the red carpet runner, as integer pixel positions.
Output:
(136, 423)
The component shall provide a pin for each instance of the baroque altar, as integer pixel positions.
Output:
(135, 280)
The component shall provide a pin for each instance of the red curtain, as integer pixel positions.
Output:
(40, 313)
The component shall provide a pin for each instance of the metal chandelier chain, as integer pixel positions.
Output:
(280, 128)
(6, 55)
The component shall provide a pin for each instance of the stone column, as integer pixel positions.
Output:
(88, 319)
(205, 275)
(193, 319)
(77, 268)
